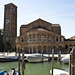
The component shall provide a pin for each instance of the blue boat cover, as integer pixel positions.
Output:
(3, 72)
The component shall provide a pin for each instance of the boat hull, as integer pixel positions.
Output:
(37, 58)
(59, 72)
(3, 73)
(65, 60)
(9, 59)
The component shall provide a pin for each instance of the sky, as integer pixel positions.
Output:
(54, 11)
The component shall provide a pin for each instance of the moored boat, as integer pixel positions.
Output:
(66, 59)
(59, 72)
(3, 73)
(8, 58)
(11, 72)
(36, 58)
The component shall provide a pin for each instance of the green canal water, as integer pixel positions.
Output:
(34, 68)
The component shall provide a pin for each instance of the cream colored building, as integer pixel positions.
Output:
(41, 36)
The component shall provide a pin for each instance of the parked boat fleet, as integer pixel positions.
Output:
(34, 58)
(31, 58)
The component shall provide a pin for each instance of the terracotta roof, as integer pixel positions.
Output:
(72, 38)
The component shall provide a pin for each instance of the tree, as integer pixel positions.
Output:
(1, 40)
(8, 45)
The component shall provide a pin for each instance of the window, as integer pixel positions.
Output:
(57, 39)
(66, 46)
(22, 40)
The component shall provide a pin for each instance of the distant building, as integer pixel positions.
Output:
(36, 36)
(10, 25)
(41, 35)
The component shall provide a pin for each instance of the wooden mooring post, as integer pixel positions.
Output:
(72, 62)
(49, 54)
(59, 56)
(19, 62)
(42, 54)
(70, 65)
(52, 60)
(23, 64)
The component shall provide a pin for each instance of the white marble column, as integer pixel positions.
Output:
(37, 50)
(47, 50)
(42, 50)
(32, 49)
(36, 38)
(41, 38)
(29, 50)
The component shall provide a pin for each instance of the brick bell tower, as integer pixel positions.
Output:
(10, 25)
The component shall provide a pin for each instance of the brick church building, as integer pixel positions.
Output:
(36, 36)
(42, 35)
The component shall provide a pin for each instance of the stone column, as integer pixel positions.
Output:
(37, 50)
(32, 49)
(29, 50)
(51, 38)
(31, 37)
(47, 50)
(59, 39)
(55, 39)
(36, 38)
(41, 38)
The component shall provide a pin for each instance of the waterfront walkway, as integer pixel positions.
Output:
(13, 54)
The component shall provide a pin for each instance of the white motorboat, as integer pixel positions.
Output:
(59, 72)
(36, 58)
(66, 59)
(8, 58)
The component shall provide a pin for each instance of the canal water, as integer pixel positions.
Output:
(34, 68)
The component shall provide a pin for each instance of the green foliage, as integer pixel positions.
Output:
(1, 32)
(1, 40)
(8, 45)
(15, 49)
